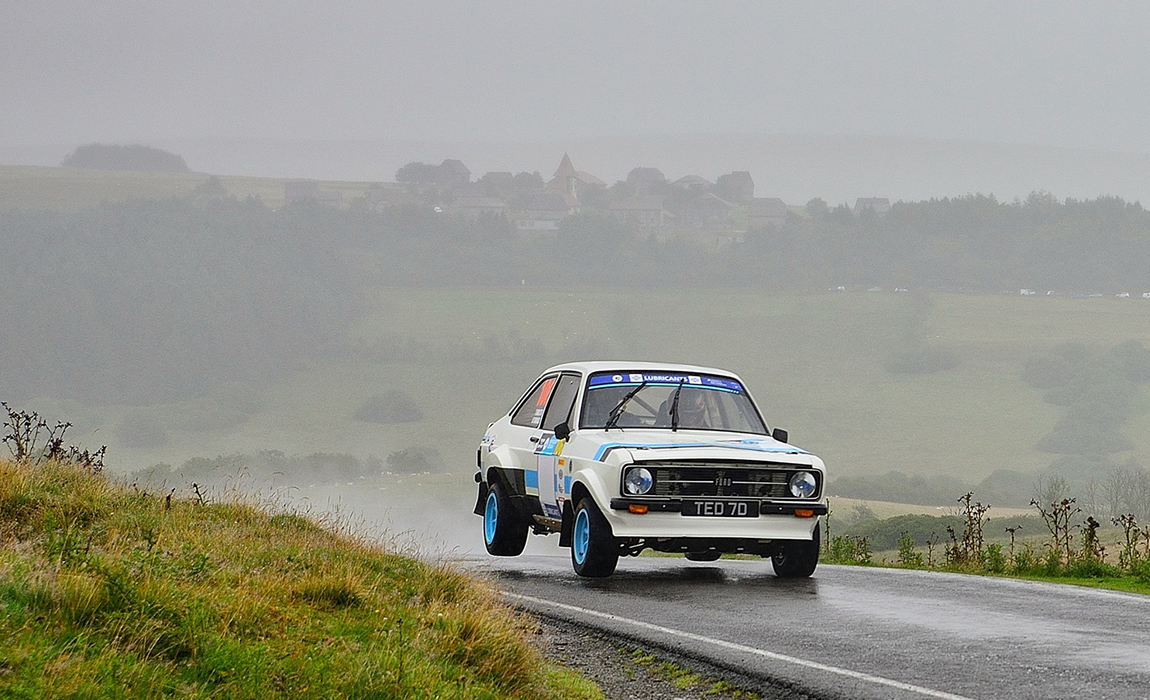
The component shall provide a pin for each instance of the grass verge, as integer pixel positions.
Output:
(1067, 556)
(108, 591)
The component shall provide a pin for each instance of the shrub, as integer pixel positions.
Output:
(415, 459)
(1141, 570)
(887, 533)
(906, 554)
(1092, 568)
(847, 549)
(24, 430)
(1025, 560)
(993, 560)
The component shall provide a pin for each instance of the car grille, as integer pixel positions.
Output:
(686, 480)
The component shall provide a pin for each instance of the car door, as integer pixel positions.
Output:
(553, 476)
(526, 431)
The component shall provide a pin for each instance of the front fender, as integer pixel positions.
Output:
(593, 479)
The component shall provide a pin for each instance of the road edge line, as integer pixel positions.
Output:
(774, 656)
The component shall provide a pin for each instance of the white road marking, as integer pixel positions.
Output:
(856, 675)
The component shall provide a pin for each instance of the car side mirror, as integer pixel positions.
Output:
(779, 434)
(562, 431)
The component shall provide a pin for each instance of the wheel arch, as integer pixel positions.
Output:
(507, 478)
(584, 486)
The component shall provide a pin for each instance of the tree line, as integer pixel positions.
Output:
(974, 242)
(146, 301)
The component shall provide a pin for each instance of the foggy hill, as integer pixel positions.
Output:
(792, 167)
(795, 168)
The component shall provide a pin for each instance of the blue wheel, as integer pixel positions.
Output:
(594, 549)
(580, 537)
(504, 530)
(490, 518)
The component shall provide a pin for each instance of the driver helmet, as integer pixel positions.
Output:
(692, 410)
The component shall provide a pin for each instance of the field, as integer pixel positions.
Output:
(813, 362)
(816, 363)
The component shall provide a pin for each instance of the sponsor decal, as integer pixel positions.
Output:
(545, 394)
(667, 379)
(550, 446)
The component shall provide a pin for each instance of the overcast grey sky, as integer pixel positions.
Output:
(1055, 74)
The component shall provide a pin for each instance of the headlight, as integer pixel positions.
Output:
(803, 485)
(637, 481)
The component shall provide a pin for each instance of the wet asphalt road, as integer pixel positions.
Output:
(852, 632)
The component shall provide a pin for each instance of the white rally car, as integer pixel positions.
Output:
(618, 457)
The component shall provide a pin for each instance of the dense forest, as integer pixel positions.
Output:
(166, 298)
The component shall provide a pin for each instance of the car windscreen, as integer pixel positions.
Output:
(704, 402)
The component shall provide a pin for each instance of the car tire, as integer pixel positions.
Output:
(797, 559)
(594, 550)
(504, 532)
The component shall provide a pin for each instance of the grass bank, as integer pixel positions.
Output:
(108, 591)
(1072, 550)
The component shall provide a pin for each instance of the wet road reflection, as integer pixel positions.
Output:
(940, 635)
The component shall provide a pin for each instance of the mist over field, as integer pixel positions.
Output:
(309, 251)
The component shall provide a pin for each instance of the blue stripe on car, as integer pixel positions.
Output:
(604, 449)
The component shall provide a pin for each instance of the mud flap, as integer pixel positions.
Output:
(567, 526)
(481, 500)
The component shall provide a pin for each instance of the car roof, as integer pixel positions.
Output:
(622, 366)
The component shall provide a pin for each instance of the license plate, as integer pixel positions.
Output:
(722, 509)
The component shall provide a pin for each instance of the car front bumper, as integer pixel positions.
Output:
(664, 519)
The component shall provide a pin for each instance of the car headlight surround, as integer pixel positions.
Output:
(637, 481)
(803, 485)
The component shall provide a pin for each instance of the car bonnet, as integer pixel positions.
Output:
(697, 444)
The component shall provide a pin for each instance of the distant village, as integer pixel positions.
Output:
(652, 205)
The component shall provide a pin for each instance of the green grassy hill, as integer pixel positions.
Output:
(108, 591)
